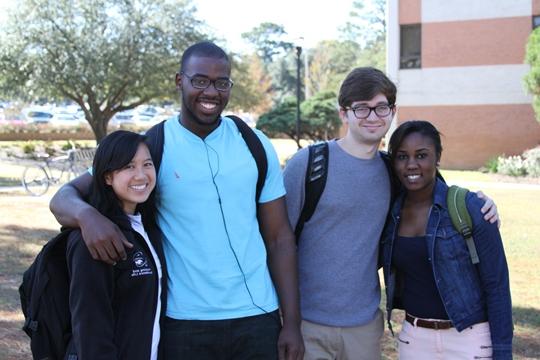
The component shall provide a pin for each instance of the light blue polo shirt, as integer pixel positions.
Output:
(214, 250)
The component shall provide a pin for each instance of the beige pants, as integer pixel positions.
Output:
(343, 343)
(420, 343)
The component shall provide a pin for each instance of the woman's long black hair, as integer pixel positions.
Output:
(114, 152)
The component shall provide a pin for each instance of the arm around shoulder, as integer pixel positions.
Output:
(103, 238)
(68, 204)
(489, 209)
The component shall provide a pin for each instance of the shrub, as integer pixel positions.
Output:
(491, 165)
(29, 147)
(70, 144)
(513, 165)
(532, 162)
(49, 148)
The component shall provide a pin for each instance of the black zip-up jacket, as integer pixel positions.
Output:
(113, 307)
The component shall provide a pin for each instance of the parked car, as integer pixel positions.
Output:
(64, 119)
(37, 115)
(123, 118)
(140, 116)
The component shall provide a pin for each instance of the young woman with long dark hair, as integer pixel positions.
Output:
(116, 309)
(454, 308)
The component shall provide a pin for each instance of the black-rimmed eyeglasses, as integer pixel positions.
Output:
(202, 82)
(362, 112)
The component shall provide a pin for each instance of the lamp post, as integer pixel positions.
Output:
(298, 63)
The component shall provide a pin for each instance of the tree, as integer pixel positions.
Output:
(319, 118)
(532, 79)
(374, 55)
(367, 27)
(281, 120)
(367, 24)
(252, 89)
(105, 55)
(283, 74)
(331, 61)
(267, 38)
(278, 57)
(322, 116)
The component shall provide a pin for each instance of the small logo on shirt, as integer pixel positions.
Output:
(176, 175)
(141, 265)
(139, 259)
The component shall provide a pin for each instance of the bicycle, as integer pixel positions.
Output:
(37, 178)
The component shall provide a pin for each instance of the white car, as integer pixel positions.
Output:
(64, 119)
(123, 118)
(140, 116)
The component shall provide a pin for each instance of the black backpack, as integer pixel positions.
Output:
(44, 294)
(156, 140)
(315, 181)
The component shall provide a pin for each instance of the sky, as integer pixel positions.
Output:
(308, 19)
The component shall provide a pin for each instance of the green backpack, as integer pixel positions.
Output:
(461, 219)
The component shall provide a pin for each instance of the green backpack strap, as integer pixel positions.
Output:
(460, 217)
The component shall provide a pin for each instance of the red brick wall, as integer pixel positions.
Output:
(410, 12)
(474, 134)
(470, 43)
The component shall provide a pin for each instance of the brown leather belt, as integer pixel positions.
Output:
(429, 324)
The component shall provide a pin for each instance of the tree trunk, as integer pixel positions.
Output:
(99, 126)
(100, 132)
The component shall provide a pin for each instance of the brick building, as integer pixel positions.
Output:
(460, 65)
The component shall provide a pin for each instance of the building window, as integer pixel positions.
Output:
(410, 47)
(536, 22)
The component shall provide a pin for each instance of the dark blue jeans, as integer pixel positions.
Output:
(253, 337)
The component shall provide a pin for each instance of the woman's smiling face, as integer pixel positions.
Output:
(415, 162)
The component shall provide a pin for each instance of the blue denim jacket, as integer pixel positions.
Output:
(470, 293)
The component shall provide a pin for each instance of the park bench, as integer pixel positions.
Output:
(82, 158)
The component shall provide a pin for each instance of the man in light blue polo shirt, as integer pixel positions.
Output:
(206, 282)
(223, 260)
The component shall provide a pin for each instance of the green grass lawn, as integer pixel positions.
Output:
(25, 224)
(467, 175)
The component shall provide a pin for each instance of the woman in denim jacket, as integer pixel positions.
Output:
(454, 309)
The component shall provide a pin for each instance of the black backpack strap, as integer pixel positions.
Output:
(257, 151)
(395, 184)
(155, 139)
(316, 174)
